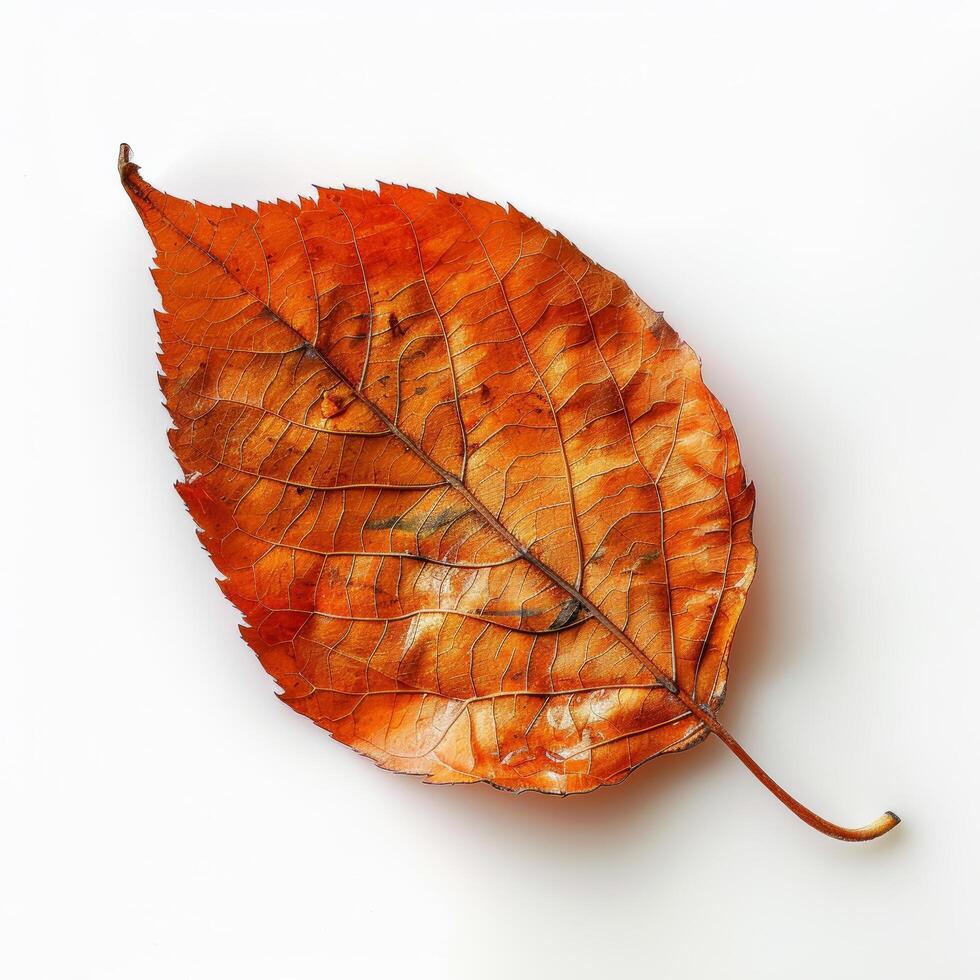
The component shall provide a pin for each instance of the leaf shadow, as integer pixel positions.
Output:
(599, 823)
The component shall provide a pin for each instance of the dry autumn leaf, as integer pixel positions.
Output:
(481, 515)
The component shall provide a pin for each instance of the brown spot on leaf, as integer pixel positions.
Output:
(332, 404)
(412, 522)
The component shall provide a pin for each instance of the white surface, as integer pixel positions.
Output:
(797, 186)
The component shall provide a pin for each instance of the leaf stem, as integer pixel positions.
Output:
(870, 831)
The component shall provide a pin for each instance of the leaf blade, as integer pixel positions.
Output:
(600, 718)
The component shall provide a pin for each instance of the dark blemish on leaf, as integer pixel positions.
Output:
(419, 349)
(365, 332)
(443, 517)
(566, 614)
(395, 325)
(417, 522)
(387, 523)
(333, 404)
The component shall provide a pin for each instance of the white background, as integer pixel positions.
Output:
(797, 186)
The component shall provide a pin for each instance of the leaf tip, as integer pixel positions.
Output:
(125, 163)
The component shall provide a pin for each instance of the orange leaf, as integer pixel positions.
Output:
(481, 515)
